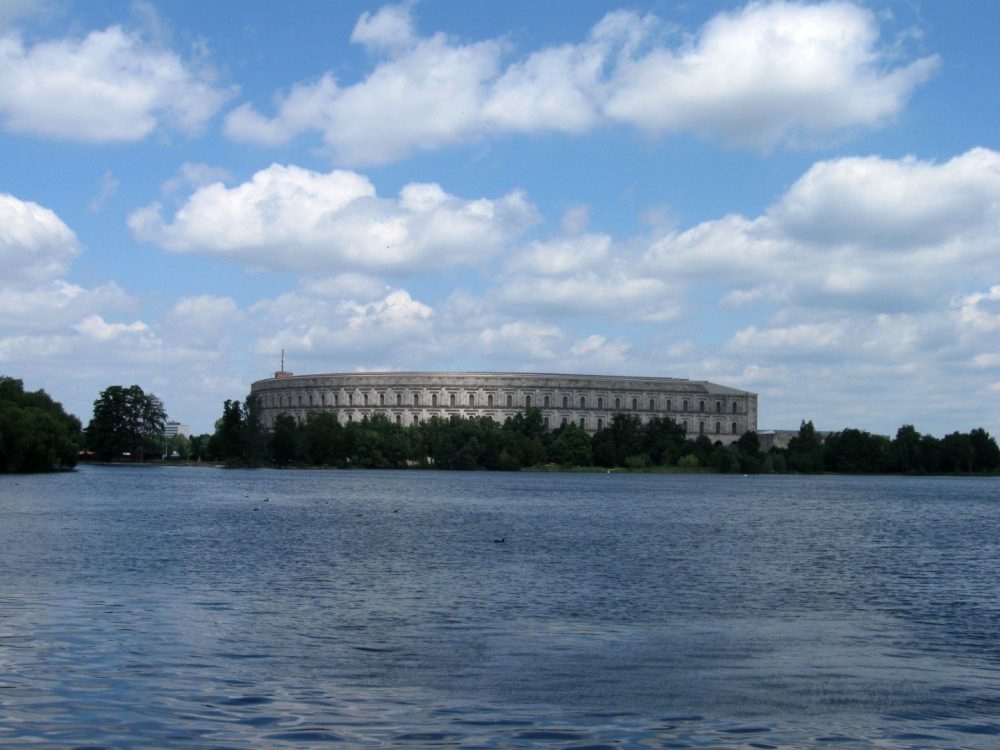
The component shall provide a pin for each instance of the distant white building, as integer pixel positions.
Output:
(171, 429)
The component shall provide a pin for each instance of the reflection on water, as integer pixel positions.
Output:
(202, 607)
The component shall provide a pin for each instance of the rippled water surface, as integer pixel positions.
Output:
(159, 607)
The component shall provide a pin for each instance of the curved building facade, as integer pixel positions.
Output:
(590, 401)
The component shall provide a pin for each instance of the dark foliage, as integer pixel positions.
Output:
(35, 433)
(524, 441)
(127, 423)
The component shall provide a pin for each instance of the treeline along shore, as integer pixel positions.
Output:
(127, 426)
(523, 442)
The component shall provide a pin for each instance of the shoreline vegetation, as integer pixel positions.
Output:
(127, 428)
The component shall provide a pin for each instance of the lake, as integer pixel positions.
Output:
(170, 607)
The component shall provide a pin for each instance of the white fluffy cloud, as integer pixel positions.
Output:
(107, 86)
(292, 219)
(35, 245)
(759, 77)
(867, 232)
(767, 73)
(584, 274)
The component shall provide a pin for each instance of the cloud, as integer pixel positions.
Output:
(394, 327)
(291, 219)
(51, 306)
(389, 29)
(35, 245)
(767, 75)
(109, 86)
(107, 189)
(873, 233)
(203, 322)
(194, 175)
(584, 274)
(521, 339)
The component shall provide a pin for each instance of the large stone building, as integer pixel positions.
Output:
(703, 408)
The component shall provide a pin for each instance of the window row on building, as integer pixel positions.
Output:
(348, 399)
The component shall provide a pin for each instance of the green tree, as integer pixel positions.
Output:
(181, 445)
(663, 440)
(985, 453)
(805, 450)
(855, 451)
(906, 451)
(35, 433)
(957, 453)
(284, 440)
(126, 421)
(571, 447)
(199, 447)
(324, 439)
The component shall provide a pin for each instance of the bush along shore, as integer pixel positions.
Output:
(626, 443)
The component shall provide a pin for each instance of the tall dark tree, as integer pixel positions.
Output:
(126, 421)
(35, 433)
(906, 451)
(571, 447)
(805, 450)
(985, 452)
(284, 440)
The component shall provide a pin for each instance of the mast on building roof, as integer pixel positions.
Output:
(282, 373)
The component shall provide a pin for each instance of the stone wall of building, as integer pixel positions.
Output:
(590, 401)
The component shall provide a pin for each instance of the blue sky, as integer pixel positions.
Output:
(799, 199)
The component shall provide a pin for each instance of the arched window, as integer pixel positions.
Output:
(600, 423)
(510, 400)
(489, 400)
(416, 402)
(701, 428)
(381, 399)
(350, 417)
(336, 399)
(618, 404)
(652, 405)
(670, 404)
(718, 407)
(685, 405)
(451, 399)
(545, 403)
(563, 423)
(635, 404)
(416, 419)
(565, 403)
(300, 399)
(472, 399)
(399, 399)
(685, 425)
(734, 407)
(350, 399)
(310, 399)
(718, 428)
(322, 399)
(600, 405)
(583, 423)
(545, 421)
(736, 429)
(399, 419)
(527, 402)
(701, 406)
(434, 399)
(583, 402)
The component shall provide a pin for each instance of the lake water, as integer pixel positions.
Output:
(166, 607)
